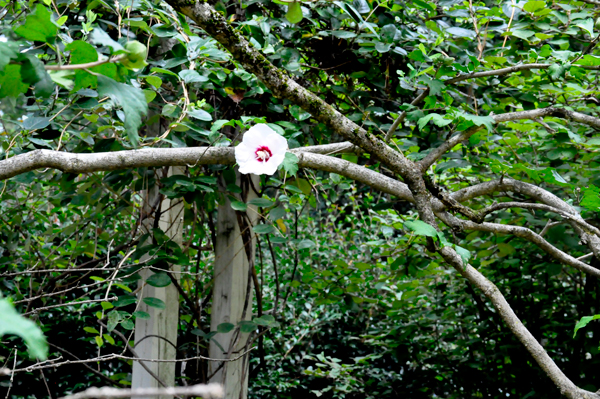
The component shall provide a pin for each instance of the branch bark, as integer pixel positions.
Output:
(210, 391)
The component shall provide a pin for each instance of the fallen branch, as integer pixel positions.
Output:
(210, 391)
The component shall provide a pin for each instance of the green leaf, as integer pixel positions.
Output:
(591, 198)
(533, 6)
(461, 32)
(136, 55)
(239, 206)
(306, 244)
(127, 324)
(465, 254)
(113, 320)
(12, 322)
(81, 53)
(191, 76)
(264, 320)
(505, 249)
(131, 99)
(355, 15)
(383, 47)
(264, 229)
(294, 12)
(299, 113)
(343, 34)
(586, 24)
(8, 51)
(154, 81)
(91, 330)
(247, 326)
(558, 71)
(160, 279)
(437, 119)
(421, 228)
(224, 328)
(35, 122)
(38, 26)
(139, 314)
(522, 33)
(261, 202)
(435, 86)
(477, 120)
(98, 36)
(154, 302)
(200, 114)
(584, 322)
(109, 339)
(11, 82)
(290, 163)
(361, 6)
(124, 301)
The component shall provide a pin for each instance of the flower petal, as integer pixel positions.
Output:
(258, 136)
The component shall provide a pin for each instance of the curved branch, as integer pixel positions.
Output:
(107, 161)
(522, 232)
(542, 207)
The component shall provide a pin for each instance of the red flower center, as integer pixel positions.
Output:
(263, 153)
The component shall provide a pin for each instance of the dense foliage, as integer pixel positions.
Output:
(363, 307)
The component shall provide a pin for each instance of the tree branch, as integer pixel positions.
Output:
(83, 66)
(522, 232)
(210, 391)
(542, 207)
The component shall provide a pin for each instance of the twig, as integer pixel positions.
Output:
(60, 305)
(83, 66)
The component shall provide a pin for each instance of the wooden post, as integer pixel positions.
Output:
(156, 338)
(231, 274)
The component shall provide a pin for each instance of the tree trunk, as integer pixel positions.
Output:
(156, 338)
(232, 280)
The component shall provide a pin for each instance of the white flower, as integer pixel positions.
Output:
(261, 151)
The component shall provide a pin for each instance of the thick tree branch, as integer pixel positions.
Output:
(81, 163)
(210, 391)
